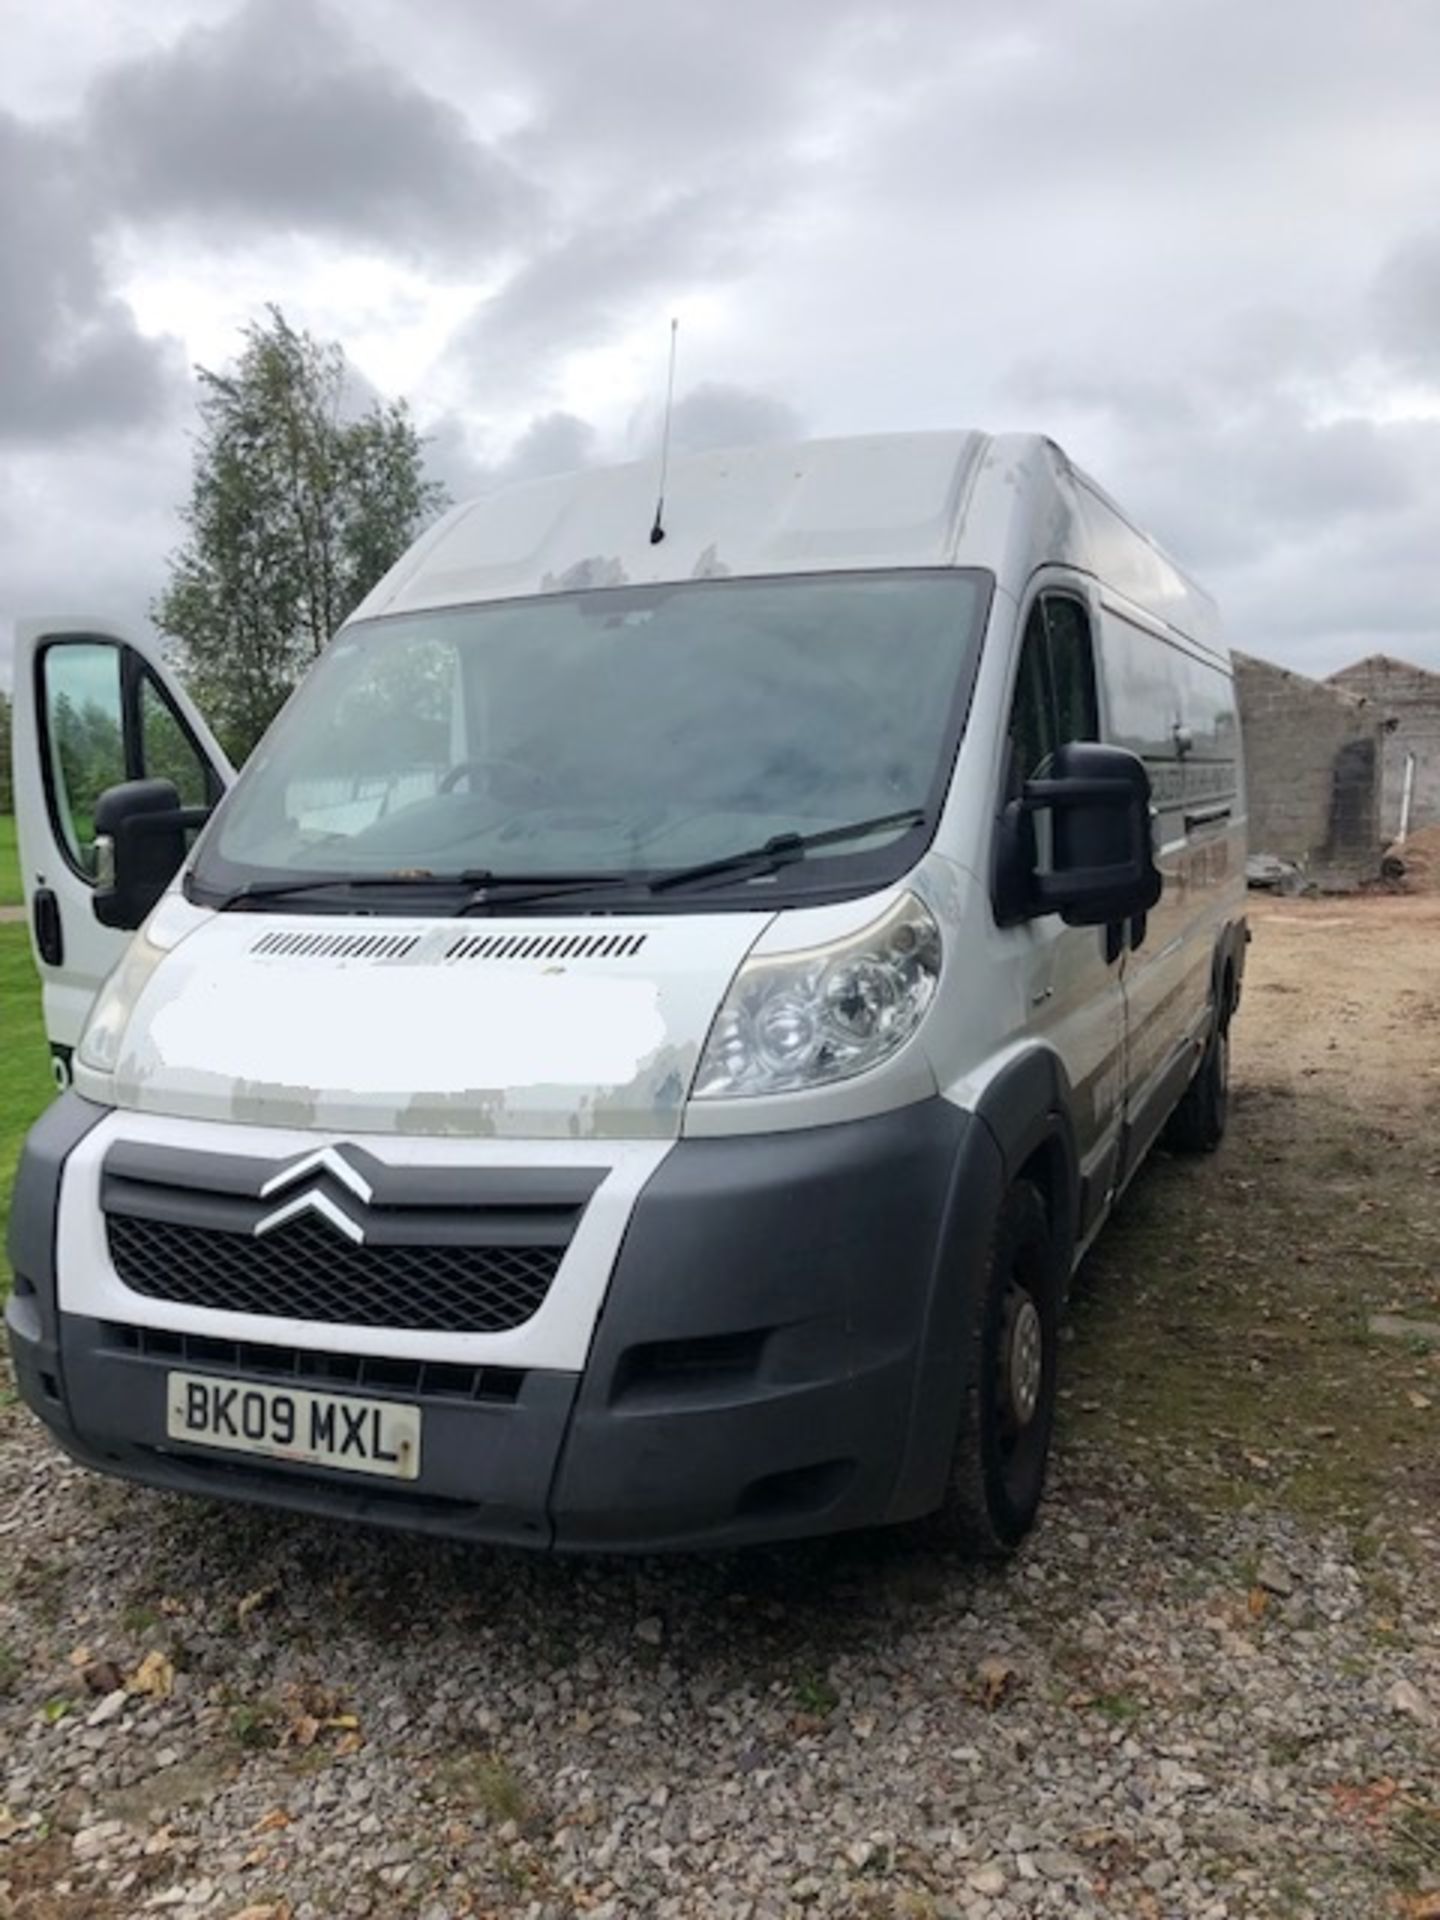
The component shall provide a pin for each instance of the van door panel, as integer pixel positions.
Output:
(1176, 709)
(1079, 1013)
(1070, 977)
(93, 706)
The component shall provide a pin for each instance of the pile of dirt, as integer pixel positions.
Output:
(1414, 863)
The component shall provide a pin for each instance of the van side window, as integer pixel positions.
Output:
(1032, 729)
(1072, 669)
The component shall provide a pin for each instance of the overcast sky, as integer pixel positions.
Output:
(1198, 242)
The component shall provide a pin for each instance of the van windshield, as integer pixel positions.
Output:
(617, 734)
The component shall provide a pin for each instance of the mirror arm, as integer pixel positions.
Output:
(104, 843)
(139, 845)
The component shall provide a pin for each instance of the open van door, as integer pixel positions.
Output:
(93, 706)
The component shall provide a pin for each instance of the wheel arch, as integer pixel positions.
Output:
(1022, 1127)
(1227, 974)
(1028, 1109)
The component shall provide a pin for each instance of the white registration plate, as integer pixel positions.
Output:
(291, 1423)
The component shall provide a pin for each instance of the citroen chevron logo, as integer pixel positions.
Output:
(324, 1160)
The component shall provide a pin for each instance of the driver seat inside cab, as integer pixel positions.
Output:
(635, 1058)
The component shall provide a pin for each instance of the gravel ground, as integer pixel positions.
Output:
(1210, 1686)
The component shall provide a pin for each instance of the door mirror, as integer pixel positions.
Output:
(140, 831)
(1101, 866)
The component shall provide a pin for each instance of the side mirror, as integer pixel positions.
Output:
(1102, 861)
(140, 831)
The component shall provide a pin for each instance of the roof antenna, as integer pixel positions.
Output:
(657, 532)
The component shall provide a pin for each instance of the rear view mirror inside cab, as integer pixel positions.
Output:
(1099, 865)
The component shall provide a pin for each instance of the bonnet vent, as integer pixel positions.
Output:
(336, 946)
(547, 946)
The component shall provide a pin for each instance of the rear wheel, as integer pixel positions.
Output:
(1002, 1448)
(1198, 1123)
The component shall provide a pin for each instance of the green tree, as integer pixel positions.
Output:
(296, 510)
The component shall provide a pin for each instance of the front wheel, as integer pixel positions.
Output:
(1198, 1123)
(1002, 1447)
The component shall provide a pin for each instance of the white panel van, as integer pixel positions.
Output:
(637, 1056)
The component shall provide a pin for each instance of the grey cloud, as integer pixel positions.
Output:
(276, 119)
(1258, 351)
(1229, 483)
(1165, 222)
(1233, 488)
(1312, 531)
(1334, 470)
(1319, 603)
(654, 91)
(713, 415)
(73, 358)
(1406, 304)
(676, 143)
(1311, 535)
(1137, 402)
(85, 529)
(551, 443)
(1140, 99)
(716, 415)
(577, 292)
(450, 459)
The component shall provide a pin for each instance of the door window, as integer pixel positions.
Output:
(166, 750)
(1054, 702)
(1072, 668)
(108, 719)
(85, 731)
(1032, 726)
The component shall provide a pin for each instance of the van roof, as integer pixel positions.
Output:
(1008, 502)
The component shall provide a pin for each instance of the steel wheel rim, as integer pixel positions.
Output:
(1022, 1361)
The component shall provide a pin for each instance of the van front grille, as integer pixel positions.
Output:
(319, 1369)
(304, 1270)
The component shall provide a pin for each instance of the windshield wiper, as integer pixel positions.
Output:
(494, 888)
(261, 890)
(784, 848)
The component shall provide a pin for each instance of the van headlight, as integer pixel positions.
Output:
(798, 1020)
(171, 920)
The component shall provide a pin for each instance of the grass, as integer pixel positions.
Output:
(253, 1724)
(1120, 1709)
(25, 1084)
(814, 1694)
(489, 1783)
(1221, 1340)
(10, 893)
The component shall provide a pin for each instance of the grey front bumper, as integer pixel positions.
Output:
(780, 1353)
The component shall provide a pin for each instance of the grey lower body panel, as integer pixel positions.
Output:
(487, 1465)
(779, 1354)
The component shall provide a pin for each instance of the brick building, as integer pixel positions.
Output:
(1314, 759)
(1410, 698)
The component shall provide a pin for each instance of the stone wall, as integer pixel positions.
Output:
(1313, 760)
(1410, 697)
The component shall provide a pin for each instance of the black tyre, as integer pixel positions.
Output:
(1198, 1123)
(1002, 1448)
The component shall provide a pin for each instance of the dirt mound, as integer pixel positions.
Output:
(1415, 863)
